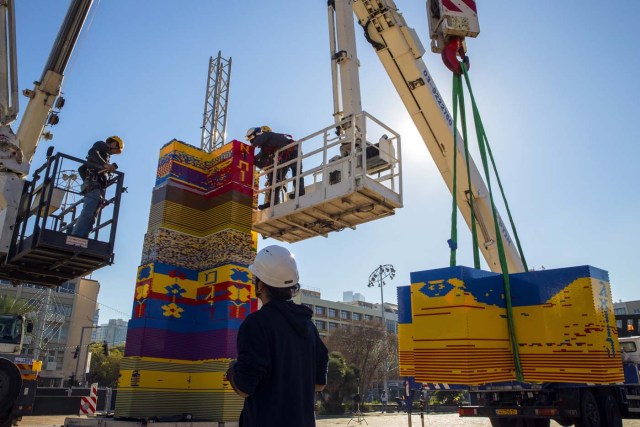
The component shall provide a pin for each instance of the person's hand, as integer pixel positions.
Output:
(109, 167)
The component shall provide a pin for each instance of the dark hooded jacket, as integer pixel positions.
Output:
(280, 360)
(269, 143)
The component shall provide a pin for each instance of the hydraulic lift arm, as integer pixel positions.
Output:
(400, 51)
(17, 150)
(47, 89)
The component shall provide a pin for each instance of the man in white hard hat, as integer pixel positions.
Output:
(282, 361)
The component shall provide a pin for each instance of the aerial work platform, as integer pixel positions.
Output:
(42, 250)
(339, 192)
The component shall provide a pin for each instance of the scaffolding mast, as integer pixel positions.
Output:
(214, 121)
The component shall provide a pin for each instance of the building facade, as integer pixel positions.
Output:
(626, 307)
(627, 317)
(331, 315)
(63, 320)
(114, 332)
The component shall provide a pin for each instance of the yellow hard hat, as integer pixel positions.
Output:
(265, 128)
(117, 140)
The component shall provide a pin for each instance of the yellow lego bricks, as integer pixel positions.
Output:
(453, 327)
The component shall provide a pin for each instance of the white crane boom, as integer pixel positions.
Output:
(400, 51)
(47, 89)
(17, 150)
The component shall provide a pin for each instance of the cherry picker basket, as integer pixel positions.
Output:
(43, 251)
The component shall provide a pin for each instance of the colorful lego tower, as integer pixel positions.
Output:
(193, 288)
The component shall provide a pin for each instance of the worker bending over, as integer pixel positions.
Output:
(269, 143)
(95, 177)
(281, 361)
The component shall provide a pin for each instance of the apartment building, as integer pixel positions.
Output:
(67, 314)
(626, 307)
(114, 332)
(354, 313)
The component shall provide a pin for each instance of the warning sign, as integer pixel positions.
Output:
(77, 241)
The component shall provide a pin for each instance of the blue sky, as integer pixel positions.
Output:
(556, 85)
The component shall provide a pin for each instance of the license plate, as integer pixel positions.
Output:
(506, 412)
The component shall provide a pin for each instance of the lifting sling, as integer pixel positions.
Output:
(483, 142)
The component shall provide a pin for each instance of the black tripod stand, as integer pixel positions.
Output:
(358, 419)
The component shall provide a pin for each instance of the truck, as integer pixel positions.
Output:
(582, 405)
(567, 404)
(400, 51)
(18, 373)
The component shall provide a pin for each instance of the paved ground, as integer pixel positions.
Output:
(369, 420)
(433, 420)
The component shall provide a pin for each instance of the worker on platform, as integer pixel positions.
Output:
(95, 176)
(281, 361)
(269, 143)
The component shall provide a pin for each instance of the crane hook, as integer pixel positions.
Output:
(450, 53)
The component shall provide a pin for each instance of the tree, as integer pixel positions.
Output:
(13, 305)
(104, 369)
(342, 382)
(364, 347)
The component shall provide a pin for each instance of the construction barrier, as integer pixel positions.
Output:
(88, 404)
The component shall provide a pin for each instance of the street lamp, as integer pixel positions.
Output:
(378, 278)
(75, 372)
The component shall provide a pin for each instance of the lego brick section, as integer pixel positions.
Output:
(405, 333)
(457, 332)
(181, 210)
(201, 193)
(168, 387)
(567, 324)
(185, 251)
(208, 173)
(184, 314)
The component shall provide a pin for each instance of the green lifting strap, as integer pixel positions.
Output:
(458, 98)
(484, 147)
(453, 242)
(482, 136)
(501, 255)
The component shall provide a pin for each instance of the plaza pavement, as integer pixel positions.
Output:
(368, 420)
(429, 420)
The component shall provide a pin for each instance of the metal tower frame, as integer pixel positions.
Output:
(214, 122)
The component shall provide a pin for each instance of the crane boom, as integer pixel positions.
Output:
(45, 92)
(400, 51)
(17, 150)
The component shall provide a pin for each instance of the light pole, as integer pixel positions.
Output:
(75, 373)
(377, 278)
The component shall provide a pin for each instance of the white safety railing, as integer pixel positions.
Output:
(327, 156)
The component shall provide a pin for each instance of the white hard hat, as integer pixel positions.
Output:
(276, 267)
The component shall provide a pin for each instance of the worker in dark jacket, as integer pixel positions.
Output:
(95, 176)
(281, 361)
(269, 142)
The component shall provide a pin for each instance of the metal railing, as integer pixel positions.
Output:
(53, 199)
(326, 151)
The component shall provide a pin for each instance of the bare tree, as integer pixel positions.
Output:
(364, 347)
